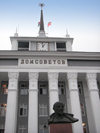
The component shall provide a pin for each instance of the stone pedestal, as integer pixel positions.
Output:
(60, 128)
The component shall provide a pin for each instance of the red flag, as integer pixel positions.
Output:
(38, 23)
(49, 23)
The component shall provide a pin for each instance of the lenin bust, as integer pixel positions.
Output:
(59, 116)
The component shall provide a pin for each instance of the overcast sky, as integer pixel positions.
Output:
(80, 17)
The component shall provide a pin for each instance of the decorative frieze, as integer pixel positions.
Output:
(72, 80)
(91, 81)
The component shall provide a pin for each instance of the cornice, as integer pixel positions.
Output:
(69, 54)
(37, 39)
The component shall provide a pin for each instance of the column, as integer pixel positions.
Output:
(75, 103)
(94, 99)
(33, 103)
(53, 90)
(11, 114)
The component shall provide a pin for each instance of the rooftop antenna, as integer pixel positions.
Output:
(67, 35)
(16, 33)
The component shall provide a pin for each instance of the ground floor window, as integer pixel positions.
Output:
(43, 110)
(1, 130)
(43, 128)
(22, 130)
(3, 109)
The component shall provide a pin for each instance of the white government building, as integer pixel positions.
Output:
(40, 71)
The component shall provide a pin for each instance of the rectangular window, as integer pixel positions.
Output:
(61, 46)
(4, 86)
(43, 128)
(43, 110)
(22, 130)
(24, 91)
(23, 110)
(61, 87)
(23, 46)
(1, 130)
(82, 109)
(3, 109)
(23, 88)
(43, 89)
(98, 84)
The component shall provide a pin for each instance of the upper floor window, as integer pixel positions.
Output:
(3, 109)
(23, 110)
(43, 89)
(4, 86)
(23, 46)
(82, 109)
(80, 88)
(61, 46)
(23, 88)
(61, 87)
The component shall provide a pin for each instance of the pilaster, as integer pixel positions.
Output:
(53, 89)
(33, 103)
(94, 98)
(11, 114)
(74, 101)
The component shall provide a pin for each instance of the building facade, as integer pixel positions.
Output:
(40, 71)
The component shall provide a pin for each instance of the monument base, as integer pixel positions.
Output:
(60, 128)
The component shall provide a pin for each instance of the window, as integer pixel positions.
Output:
(22, 129)
(23, 110)
(1, 130)
(43, 128)
(98, 84)
(3, 109)
(61, 46)
(61, 87)
(43, 89)
(43, 110)
(4, 86)
(23, 46)
(80, 88)
(82, 109)
(23, 88)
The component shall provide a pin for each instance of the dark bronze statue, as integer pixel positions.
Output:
(59, 116)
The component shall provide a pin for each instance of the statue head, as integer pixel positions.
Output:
(58, 107)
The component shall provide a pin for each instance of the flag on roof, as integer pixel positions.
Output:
(49, 23)
(38, 23)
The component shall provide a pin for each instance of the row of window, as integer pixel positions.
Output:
(23, 110)
(24, 46)
(24, 89)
